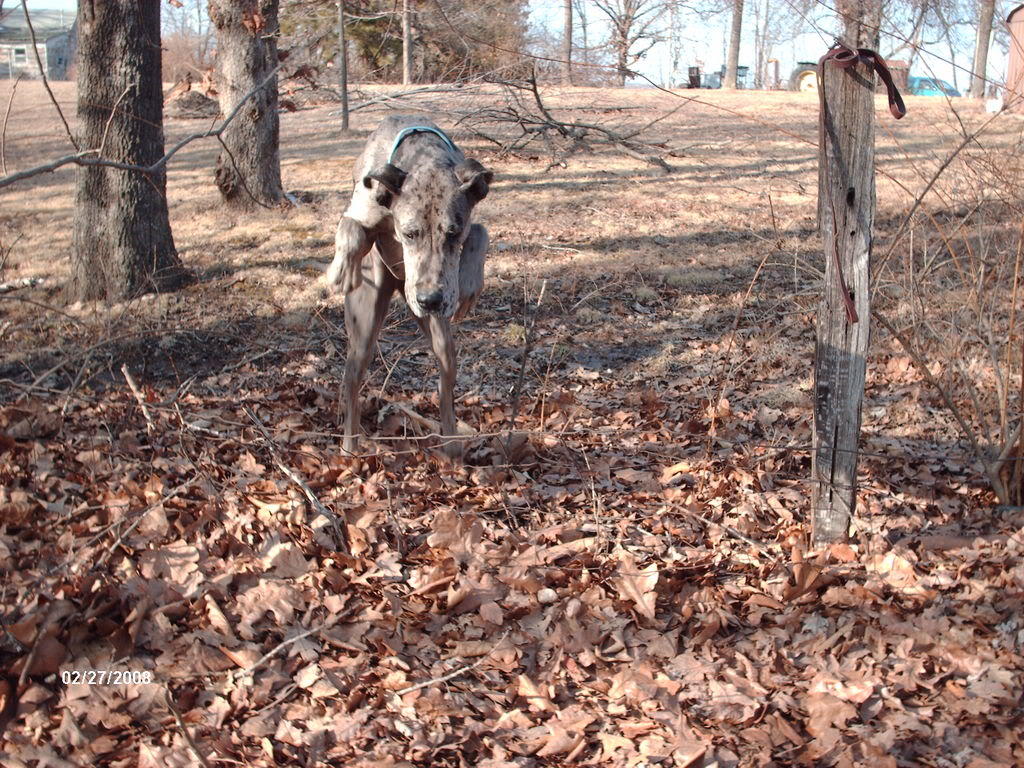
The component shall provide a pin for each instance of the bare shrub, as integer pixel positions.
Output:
(951, 298)
(186, 39)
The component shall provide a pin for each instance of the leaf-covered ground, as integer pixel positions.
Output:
(620, 577)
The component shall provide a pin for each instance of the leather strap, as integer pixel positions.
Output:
(844, 57)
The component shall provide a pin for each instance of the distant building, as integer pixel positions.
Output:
(55, 40)
(1015, 69)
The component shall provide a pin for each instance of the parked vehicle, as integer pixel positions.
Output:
(930, 86)
(804, 77)
(698, 79)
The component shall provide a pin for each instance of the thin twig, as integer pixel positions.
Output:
(317, 505)
(577, 131)
(241, 176)
(150, 426)
(727, 528)
(1004, 403)
(54, 614)
(140, 516)
(876, 268)
(460, 671)
(19, 283)
(31, 658)
(3, 133)
(727, 374)
(395, 96)
(168, 699)
(113, 113)
(922, 366)
(42, 74)
(275, 650)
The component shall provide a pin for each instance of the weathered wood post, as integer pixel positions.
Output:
(846, 213)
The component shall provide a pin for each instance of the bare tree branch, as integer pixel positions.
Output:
(3, 133)
(92, 156)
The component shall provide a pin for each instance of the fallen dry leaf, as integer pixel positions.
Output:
(637, 585)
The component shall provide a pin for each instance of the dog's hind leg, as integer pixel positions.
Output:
(365, 309)
(351, 244)
(471, 270)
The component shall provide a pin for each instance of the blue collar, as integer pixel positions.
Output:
(402, 134)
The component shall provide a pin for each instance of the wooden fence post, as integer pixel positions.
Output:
(846, 213)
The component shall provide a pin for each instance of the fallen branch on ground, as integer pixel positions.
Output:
(534, 119)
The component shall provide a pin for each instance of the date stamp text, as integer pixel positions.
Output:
(106, 676)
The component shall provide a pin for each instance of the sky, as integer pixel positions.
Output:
(704, 42)
(46, 5)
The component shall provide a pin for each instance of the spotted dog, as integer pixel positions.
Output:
(408, 229)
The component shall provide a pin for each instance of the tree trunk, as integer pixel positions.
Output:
(622, 60)
(248, 167)
(732, 59)
(861, 20)
(673, 45)
(122, 243)
(343, 65)
(567, 44)
(581, 14)
(846, 212)
(406, 43)
(986, 13)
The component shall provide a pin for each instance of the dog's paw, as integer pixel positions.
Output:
(341, 278)
(334, 273)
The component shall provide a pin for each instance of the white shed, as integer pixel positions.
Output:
(55, 41)
(1015, 68)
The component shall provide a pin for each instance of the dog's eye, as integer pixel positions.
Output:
(452, 231)
(411, 234)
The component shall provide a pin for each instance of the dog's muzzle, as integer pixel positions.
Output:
(431, 302)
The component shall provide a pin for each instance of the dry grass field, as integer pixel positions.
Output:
(617, 574)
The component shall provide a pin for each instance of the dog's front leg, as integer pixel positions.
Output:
(365, 310)
(439, 330)
(351, 244)
(471, 270)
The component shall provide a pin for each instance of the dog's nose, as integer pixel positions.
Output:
(430, 301)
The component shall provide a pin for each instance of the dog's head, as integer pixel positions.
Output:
(431, 208)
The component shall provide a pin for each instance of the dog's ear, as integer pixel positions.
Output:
(391, 178)
(476, 180)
